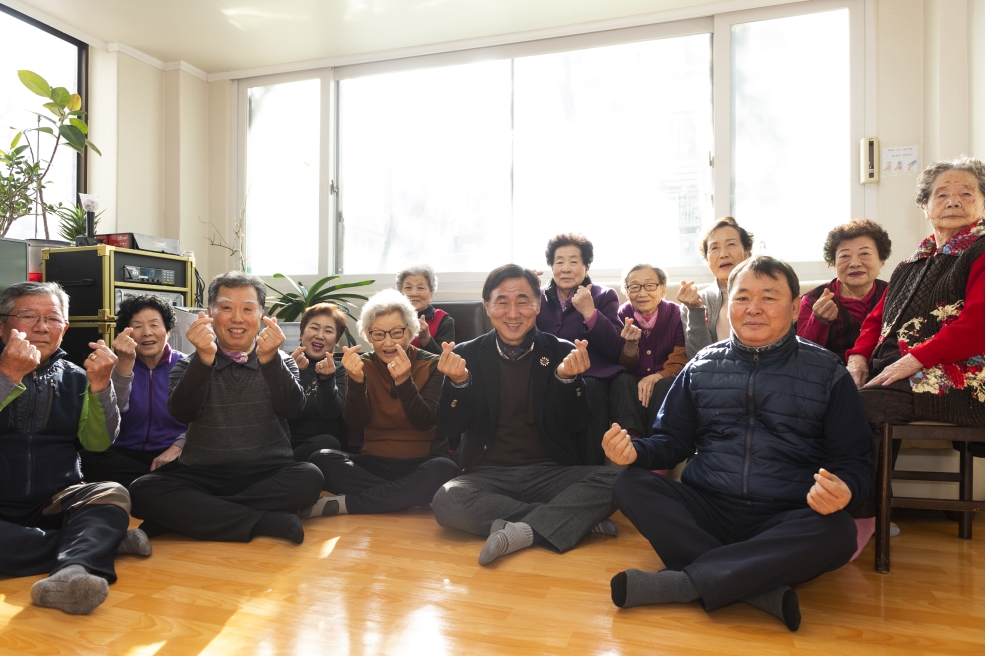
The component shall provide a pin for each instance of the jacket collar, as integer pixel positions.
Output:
(551, 291)
(955, 246)
(778, 349)
(223, 361)
(429, 312)
(164, 359)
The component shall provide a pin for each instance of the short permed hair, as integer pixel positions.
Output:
(132, 306)
(384, 302)
(419, 270)
(962, 163)
(331, 310)
(852, 230)
(504, 272)
(661, 276)
(9, 296)
(569, 239)
(234, 279)
(764, 265)
(746, 238)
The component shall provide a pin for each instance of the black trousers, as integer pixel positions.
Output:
(224, 502)
(626, 409)
(373, 484)
(81, 529)
(597, 394)
(729, 550)
(118, 465)
(305, 446)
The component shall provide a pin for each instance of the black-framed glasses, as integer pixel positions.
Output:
(380, 335)
(647, 286)
(31, 320)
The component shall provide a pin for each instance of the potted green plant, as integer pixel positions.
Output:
(72, 221)
(289, 306)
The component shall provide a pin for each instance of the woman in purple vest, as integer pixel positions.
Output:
(435, 326)
(150, 437)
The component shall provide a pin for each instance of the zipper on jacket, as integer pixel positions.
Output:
(751, 424)
(150, 406)
(51, 401)
(30, 434)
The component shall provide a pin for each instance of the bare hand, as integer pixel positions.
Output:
(688, 295)
(300, 358)
(618, 446)
(400, 367)
(452, 365)
(167, 456)
(99, 365)
(906, 367)
(575, 362)
(825, 308)
(269, 340)
(124, 345)
(325, 367)
(19, 357)
(829, 494)
(353, 363)
(582, 301)
(858, 369)
(423, 335)
(645, 387)
(630, 332)
(201, 335)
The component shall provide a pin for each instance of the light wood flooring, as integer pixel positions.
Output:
(400, 584)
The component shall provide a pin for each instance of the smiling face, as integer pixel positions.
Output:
(417, 291)
(724, 251)
(955, 203)
(45, 338)
(386, 348)
(320, 336)
(567, 269)
(761, 308)
(236, 317)
(150, 334)
(513, 309)
(857, 263)
(643, 301)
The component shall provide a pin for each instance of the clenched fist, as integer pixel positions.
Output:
(582, 301)
(618, 446)
(452, 365)
(829, 494)
(19, 358)
(99, 365)
(424, 336)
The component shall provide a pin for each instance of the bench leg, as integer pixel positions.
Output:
(884, 476)
(965, 491)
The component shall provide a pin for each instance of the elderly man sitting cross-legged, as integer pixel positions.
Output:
(520, 408)
(779, 448)
(237, 477)
(50, 521)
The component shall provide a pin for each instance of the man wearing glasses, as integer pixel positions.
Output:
(50, 521)
(517, 398)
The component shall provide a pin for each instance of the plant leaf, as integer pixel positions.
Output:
(53, 108)
(293, 283)
(35, 83)
(45, 129)
(17, 140)
(349, 285)
(83, 128)
(93, 147)
(75, 103)
(319, 284)
(61, 96)
(73, 136)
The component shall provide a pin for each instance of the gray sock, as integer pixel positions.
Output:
(606, 527)
(782, 603)
(135, 542)
(508, 538)
(71, 589)
(324, 507)
(635, 588)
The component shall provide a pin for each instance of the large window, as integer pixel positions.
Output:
(55, 57)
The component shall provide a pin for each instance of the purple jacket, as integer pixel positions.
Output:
(146, 424)
(605, 343)
(657, 344)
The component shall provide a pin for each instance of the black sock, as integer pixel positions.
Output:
(280, 525)
(782, 603)
(635, 588)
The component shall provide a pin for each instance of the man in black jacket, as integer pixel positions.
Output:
(779, 447)
(520, 410)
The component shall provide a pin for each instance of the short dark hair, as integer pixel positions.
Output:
(132, 306)
(234, 279)
(569, 239)
(852, 230)
(765, 265)
(746, 238)
(661, 276)
(506, 272)
(331, 310)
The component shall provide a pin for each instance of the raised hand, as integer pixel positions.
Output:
(618, 446)
(400, 367)
(688, 295)
(825, 308)
(858, 369)
(645, 387)
(201, 335)
(99, 365)
(829, 494)
(423, 335)
(126, 351)
(452, 365)
(269, 340)
(631, 334)
(325, 367)
(575, 362)
(299, 357)
(353, 363)
(19, 357)
(582, 301)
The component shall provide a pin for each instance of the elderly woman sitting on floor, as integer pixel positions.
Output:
(434, 326)
(392, 395)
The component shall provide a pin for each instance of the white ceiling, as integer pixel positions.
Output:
(226, 35)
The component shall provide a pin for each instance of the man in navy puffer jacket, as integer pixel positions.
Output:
(780, 449)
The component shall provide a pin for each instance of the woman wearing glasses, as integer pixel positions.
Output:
(392, 395)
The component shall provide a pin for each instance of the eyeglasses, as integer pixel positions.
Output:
(30, 320)
(649, 286)
(380, 335)
(500, 307)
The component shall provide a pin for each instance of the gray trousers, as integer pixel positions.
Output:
(560, 503)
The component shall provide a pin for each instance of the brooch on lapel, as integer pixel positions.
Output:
(545, 362)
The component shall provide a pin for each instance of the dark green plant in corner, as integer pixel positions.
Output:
(291, 305)
(72, 221)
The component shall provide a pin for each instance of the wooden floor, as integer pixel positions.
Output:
(400, 584)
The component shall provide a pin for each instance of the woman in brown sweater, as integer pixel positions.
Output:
(392, 395)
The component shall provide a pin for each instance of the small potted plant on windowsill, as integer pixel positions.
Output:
(289, 306)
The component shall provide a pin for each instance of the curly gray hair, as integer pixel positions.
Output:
(419, 270)
(9, 296)
(962, 163)
(385, 302)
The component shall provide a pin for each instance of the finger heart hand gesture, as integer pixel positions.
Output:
(353, 363)
(300, 358)
(326, 367)
(124, 345)
(582, 301)
(576, 362)
(269, 340)
(19, 357)
(825, 308)
(400, 367)
(630, 333)
(452, 364)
